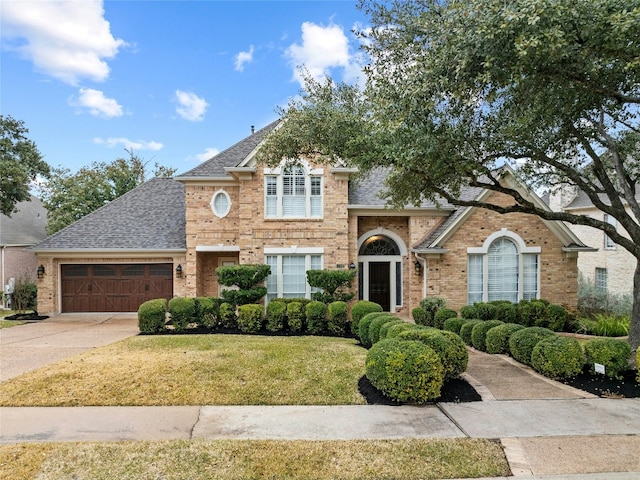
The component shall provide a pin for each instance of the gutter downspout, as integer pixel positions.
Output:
(423, 262)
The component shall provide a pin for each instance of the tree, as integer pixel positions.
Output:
(457, 89)
(70, 196)
(20, 164)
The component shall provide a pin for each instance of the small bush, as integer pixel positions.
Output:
(183, 312)
(557, 357)
(276, 315)
(453, 324)
(419, 316)
(449, 347)
(295, 316)
(521, 343)
(507, 312)
(468, 312)
(365, 323)
(206, 311)
(316, 313)
(431, 305)
(250, 318)
(359, 310)
(337, 313)
(442, 315)
(395, 330)
(384, 329)
(152, 316)
(228, 316)
(531, 312)
(613, 354)
(593, 301)
(479, 333)
(25, 294)
(376, 324)
(610, 326)
(497, 339)
(405, 371)
(554, 318)
(466, 330)
(486, 311)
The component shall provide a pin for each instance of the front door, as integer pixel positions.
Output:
(380, 284)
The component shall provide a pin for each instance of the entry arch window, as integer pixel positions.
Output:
(504, 268)
(221, 204)
(293, 191)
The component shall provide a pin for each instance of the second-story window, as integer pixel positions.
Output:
(294, 193)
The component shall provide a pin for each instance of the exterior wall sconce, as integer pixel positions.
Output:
(418, 267)
(352, 266)
(40, 271)
(179, 271)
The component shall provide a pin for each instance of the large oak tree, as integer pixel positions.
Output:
(458, 88)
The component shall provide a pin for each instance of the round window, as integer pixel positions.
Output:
(221, 204)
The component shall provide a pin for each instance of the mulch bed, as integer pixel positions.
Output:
(23, 317)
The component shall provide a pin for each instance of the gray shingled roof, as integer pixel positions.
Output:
(149, 217)
(581, 200)
(231, 157)
(26, 226)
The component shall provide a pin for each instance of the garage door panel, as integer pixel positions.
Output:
(115, 287)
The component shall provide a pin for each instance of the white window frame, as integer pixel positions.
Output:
(279, 253)
(279, 174)
(482, 267)
(608, 243)
(601, 280)
(217, 213)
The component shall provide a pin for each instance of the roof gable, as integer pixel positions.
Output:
(26, 226)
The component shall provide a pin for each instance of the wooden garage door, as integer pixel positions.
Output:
(114, 288)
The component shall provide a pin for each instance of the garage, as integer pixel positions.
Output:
(114, 287)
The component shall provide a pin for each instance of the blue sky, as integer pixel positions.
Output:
(175, 81)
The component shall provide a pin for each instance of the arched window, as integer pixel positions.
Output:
(293, 192)
(503, 269)
(379, 245)
(221, 204)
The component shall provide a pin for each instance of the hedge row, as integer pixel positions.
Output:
(281, 316)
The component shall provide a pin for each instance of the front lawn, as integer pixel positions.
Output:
(199, 370)
(269, 459)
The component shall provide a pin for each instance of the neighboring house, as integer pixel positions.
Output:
(167, 237)
(611, 267)
(24, 228)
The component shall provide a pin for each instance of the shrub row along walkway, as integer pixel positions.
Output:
(546, 428)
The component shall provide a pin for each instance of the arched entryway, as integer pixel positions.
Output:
(380, 255)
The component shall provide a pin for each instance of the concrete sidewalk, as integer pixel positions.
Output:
(547, 429)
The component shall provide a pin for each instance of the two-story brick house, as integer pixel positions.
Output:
(167, 237)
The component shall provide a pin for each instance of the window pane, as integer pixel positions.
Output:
(503, 271)
(272, 279)
(530, 274)
(608, 243)
(601, 280)
(221, 204)
(294, 281)
(272, 186)
(474, 279)
(398, 283)
(293, 206)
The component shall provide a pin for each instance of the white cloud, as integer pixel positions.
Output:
(66, 39)
(207, 154)
(244, 57)
(128, 144)
(97, 103)
(190, 106)
(322, 48)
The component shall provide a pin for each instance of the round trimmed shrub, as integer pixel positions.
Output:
(453, 324)
(449, 347)
(337, 313)
(359, 310)
(521, 343)
(554, 318)
(152, 316)
(250, 318)
(612, 353)
(183, 312)
(419, 316)
(531, 312)
(467, 328)
(468, 312)
(479, 333)
(295, 316)
(365, 323)
(376, 325)
(486, 311)
(316, 313)
(384, 329)
(442, 315)
(276, 314)
(557, 357)
(497, 339)
(405, 371)
(507, 312)
(395, 330)
(228, 316)
(206, 311)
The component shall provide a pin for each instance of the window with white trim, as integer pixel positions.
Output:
(601, 280)
(293, 193)
(503, 269)
(608, 243)
(288, 277)
(221, 204)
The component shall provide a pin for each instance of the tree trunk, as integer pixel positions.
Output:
(634, 329)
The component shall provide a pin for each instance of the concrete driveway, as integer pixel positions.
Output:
(33, 345)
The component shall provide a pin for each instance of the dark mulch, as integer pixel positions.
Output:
(455, 390)
(626, 387)
(25, 316)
